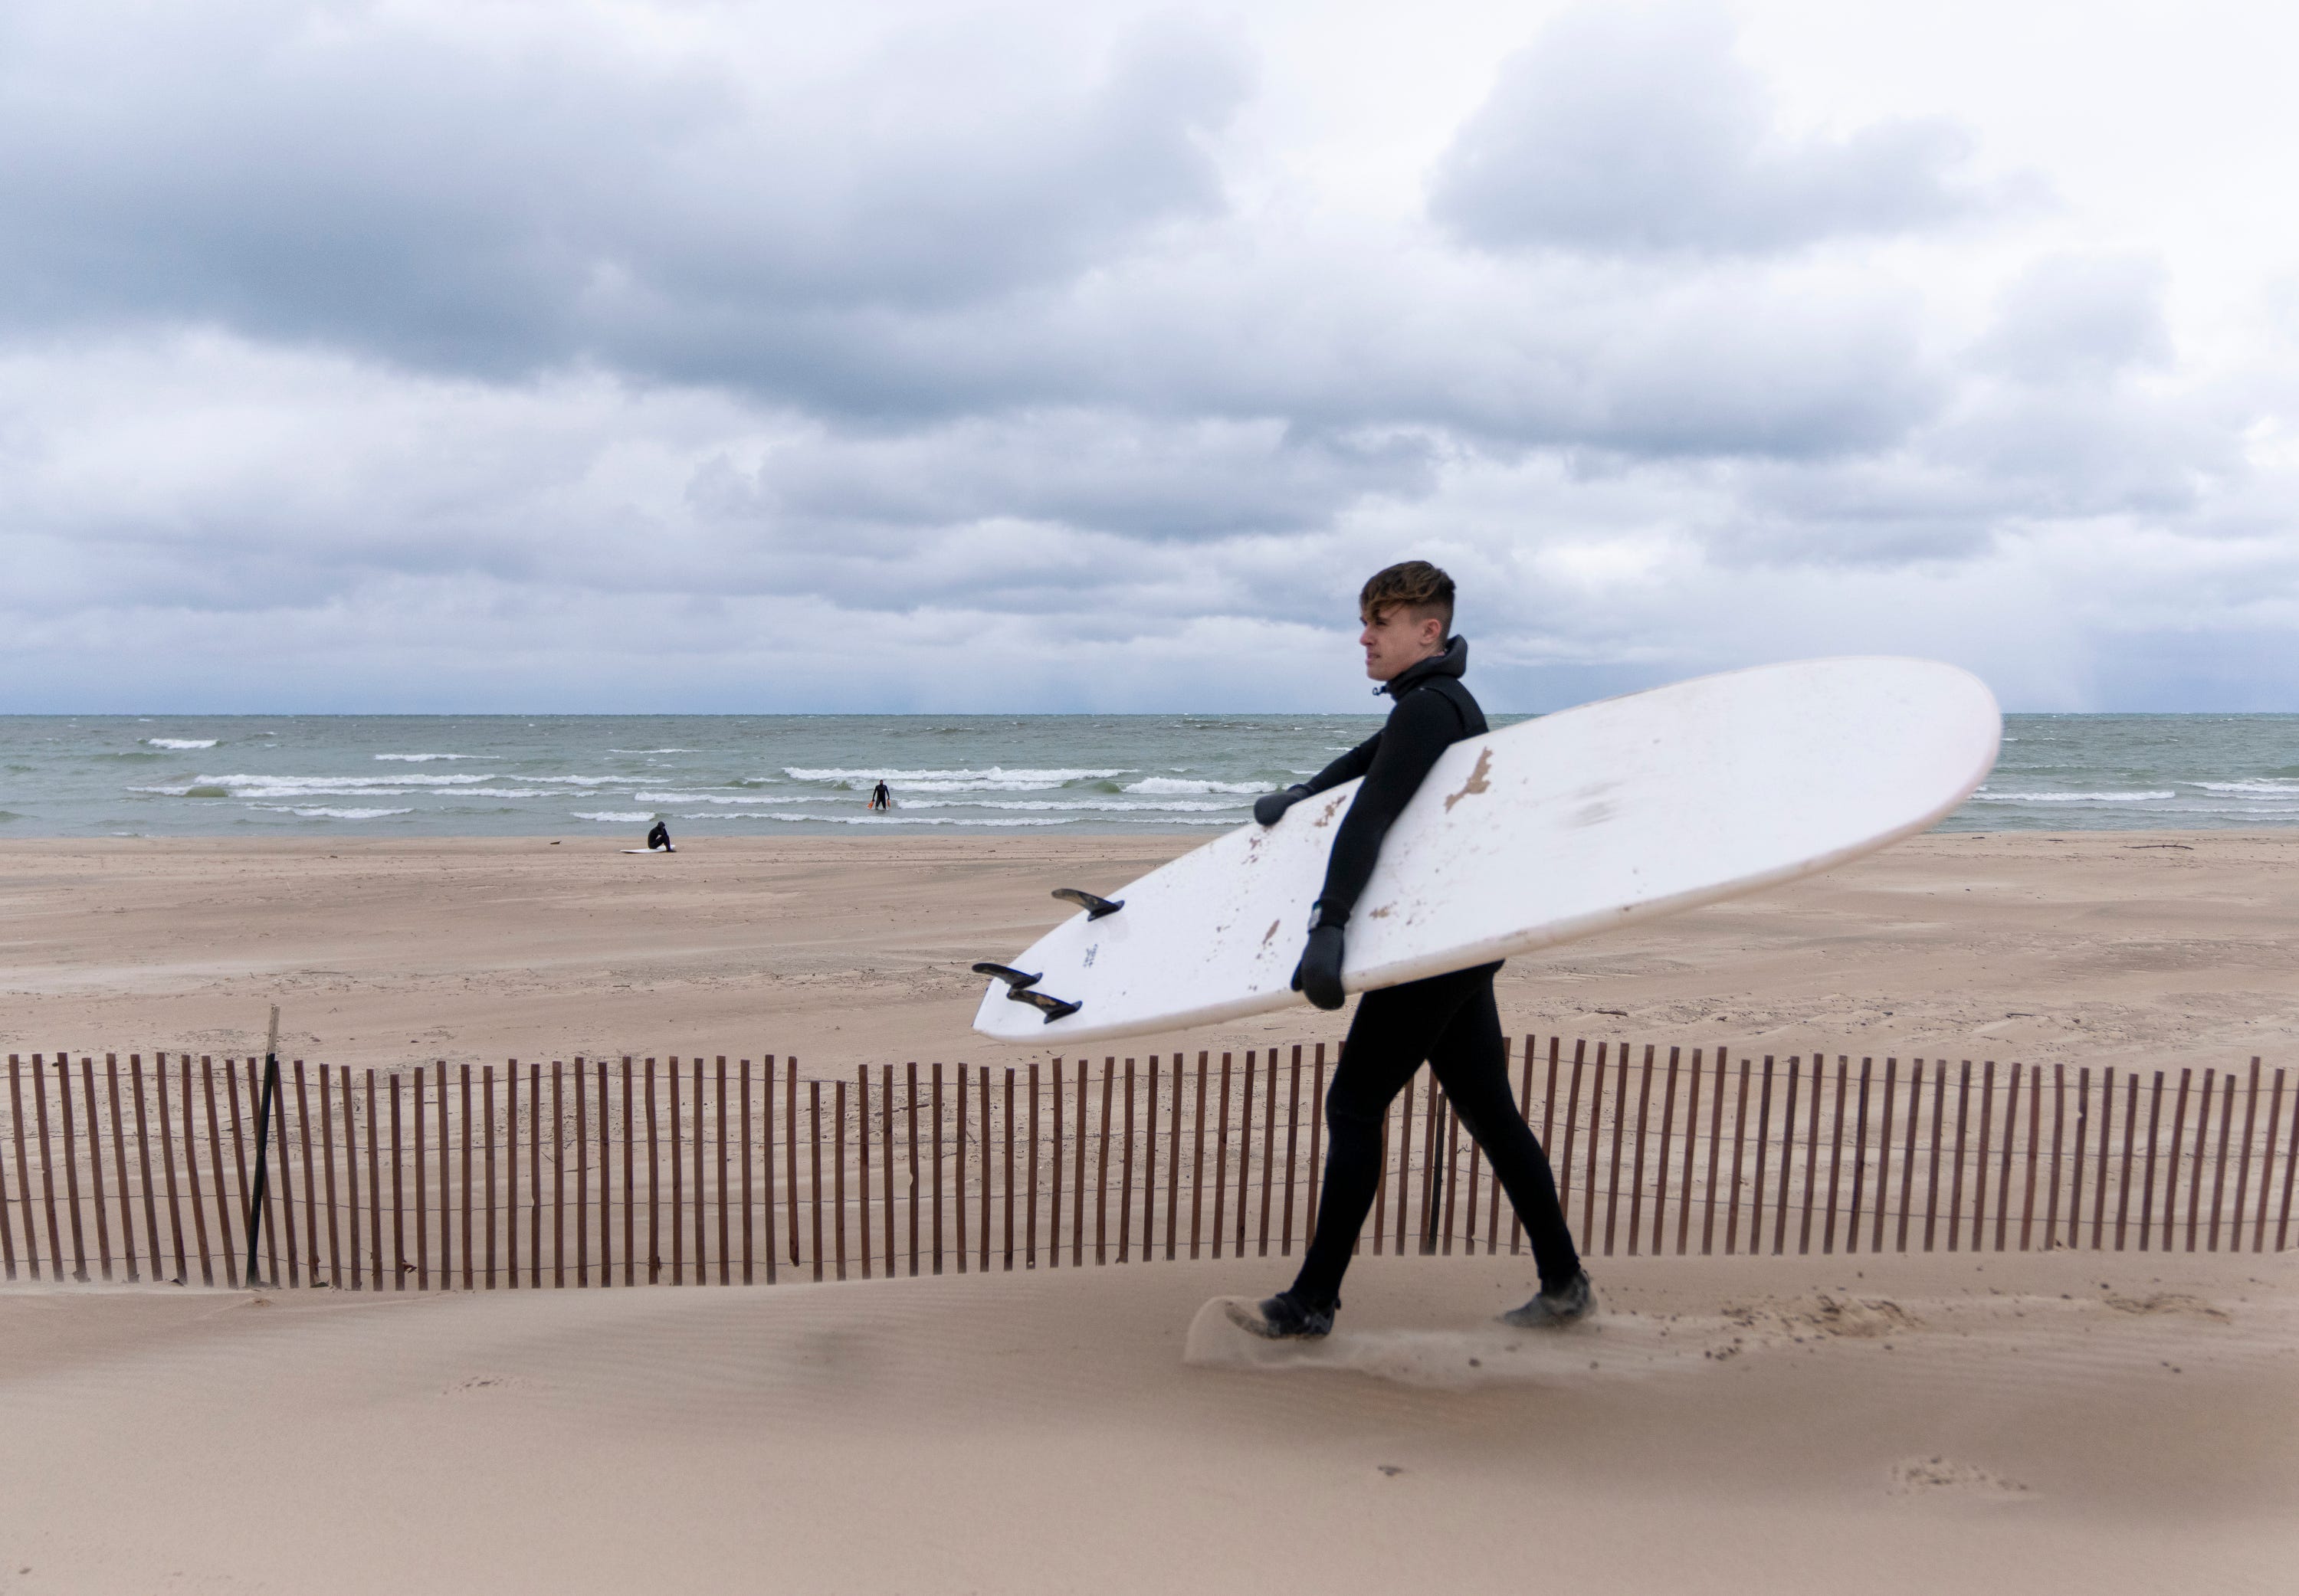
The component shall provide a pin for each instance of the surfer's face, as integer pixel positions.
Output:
(1397, 639)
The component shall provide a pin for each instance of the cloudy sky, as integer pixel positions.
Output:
(698, 356)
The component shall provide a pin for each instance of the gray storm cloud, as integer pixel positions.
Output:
(512, 358)
(1630, 131)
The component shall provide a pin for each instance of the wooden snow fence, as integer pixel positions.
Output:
(598, 1173)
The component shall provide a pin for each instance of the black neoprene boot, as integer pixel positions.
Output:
(1555, 1306)
(1283, 1318)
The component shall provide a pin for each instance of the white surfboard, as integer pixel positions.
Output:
(1550, 830)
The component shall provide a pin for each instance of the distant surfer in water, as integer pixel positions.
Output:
(1450, 1020)
(880, 799)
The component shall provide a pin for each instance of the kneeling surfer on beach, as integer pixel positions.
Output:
(1449, 1021)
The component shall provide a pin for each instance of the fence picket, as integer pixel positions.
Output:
(119, 1167)
(1102, 1161)
(1245, 1151)
(1126, 1175)
(1620, 1128)
(1908, 1156)
(168, 1163)
(2243, 1167)
(1009, 1263)
(937, 1168)
(2290, 1169)
(1883, 1157)
(631, 1185)
(2172, 1163)
(1030, 1202)
(2218, 1169)
(814, 1168)
(790, 1159)
(71, 1165)
(398, 1234)
(887, 1155)
(1316, 1133)
(2035, 1143)
(981, 1159)
(2076, 1165)
(725, 1192)
(1596, 1140)
(959, 1161)
(2266, 1169)
(837, 1174)
(1739, 1141)
(1667, 1130)
(911, 1103)
(1292, 1132)
(862, 1170)
(23, 1184)
(1859, 1161)
(2195, 1172)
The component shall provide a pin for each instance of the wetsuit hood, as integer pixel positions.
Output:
(1453, 662)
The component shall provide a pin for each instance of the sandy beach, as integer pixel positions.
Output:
(2153, 948)
(2044, 1422)
(2038, 1424)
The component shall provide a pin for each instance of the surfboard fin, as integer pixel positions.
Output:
(1052, 1007)
(1018, 983)
(1094, 907)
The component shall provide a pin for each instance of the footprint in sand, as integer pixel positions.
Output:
(1939, 1476)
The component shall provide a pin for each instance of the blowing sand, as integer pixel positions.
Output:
(2033, 1423)
(2038, 1424)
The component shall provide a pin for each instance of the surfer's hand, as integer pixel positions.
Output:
(1270, 807)
(1318, 976)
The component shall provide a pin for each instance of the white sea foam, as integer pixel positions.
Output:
(2265, 787)
(425, 758)
(322, 812)
(619, 817)
(709, 797)
(1145, 819)
(2074, 797)
(244, 786)
(1118, 805)
(950, 781)
(181, 744)
(1162, 785)
(874, 820)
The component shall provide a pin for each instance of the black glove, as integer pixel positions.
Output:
(1318, 976)
(1270, 807)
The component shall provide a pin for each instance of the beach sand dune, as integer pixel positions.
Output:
(2152, 949)
(2043, 1423)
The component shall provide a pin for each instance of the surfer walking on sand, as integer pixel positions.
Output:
(1448, 1021)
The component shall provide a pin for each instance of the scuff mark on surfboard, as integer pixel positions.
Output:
(1272, 931)
(1476, 782)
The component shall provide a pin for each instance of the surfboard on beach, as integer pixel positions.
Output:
(1550, 830)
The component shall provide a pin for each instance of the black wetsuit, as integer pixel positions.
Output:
(1449, 1021)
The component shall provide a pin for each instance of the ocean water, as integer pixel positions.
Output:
(767, 775)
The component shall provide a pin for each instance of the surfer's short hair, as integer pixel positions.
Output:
(1413, 584)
